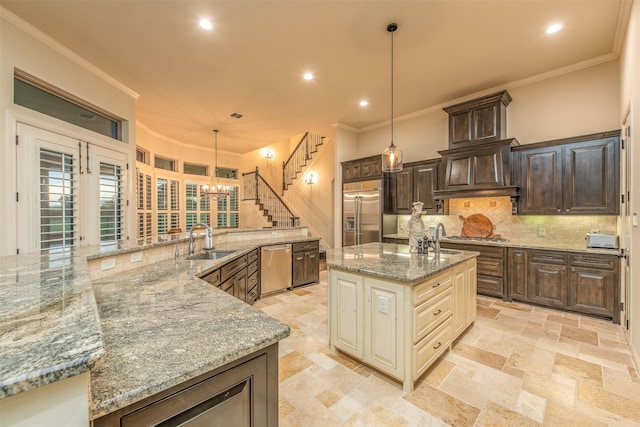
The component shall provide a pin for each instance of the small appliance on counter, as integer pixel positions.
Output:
(597, 240)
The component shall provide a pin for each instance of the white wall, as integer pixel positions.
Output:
(577, 103)
(25, 48)
(630, 95)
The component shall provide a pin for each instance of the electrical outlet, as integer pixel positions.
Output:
(108, 263)
(595, 230)
(467, 204)
(541, 232)
(136, 257)
(383, 305)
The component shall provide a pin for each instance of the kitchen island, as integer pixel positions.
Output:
(398, 312)
(90, 333)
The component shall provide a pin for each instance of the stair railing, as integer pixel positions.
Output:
(273, 207)
(298, 158)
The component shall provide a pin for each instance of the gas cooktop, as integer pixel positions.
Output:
(483, 239)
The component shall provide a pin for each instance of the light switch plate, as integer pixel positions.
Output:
(541, 232)
(634, 219)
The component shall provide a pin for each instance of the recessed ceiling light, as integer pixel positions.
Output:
(553, 28)
(205, 24)
(307, 76)
(364, 103)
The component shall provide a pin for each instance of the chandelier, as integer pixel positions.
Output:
(215, 189)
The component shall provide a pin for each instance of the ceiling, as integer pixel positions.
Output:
(189, 80)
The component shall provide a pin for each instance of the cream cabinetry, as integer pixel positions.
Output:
(396, 327)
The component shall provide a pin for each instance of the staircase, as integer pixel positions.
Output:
(268, 201)
(298, 159)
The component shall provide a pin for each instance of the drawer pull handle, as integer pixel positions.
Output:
(437, 312)
(436, 285)
(435, 347)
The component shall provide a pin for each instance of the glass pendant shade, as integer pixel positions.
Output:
(392, 156)
(392, 159)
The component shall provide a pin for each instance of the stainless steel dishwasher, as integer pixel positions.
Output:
(275, 268)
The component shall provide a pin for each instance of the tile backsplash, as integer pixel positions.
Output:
(533, 228)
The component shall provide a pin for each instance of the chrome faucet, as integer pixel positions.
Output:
(208, 238)
(436, 248)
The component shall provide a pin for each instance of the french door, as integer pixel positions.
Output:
(69, 192)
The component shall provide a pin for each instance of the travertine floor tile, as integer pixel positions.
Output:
(517, 365)
(444, 406)
(496, 415)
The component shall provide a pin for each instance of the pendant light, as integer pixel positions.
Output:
(392, 156)
(215, 189)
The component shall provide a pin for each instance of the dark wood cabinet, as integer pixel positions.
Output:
(362, 169)
(478, 121)
(239, 277)
(418, 181)
(241, 393)
(580, 282)
(546, 278)
(305, 263)
(573, 176)
(492, 267)
(593, 284)
(485, 168)
(517, 274)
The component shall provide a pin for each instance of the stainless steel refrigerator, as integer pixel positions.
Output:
(361, 212)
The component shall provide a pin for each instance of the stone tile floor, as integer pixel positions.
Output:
(517, 365)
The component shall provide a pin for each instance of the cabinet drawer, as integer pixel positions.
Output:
(601, 262)
(306, 246)
(432, 287)
(252, 267)
(430, 348)
(429, 314)
(491, 266)
(232, 267)
(252, 256)
(213, 278)
(228, 286)
(547, 257)
(252, 295)
(252, 281)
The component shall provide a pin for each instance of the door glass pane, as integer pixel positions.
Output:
(58, 215)
(110, 203)
(162, 194)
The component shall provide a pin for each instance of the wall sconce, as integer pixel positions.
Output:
(268, 154)
(311, 179)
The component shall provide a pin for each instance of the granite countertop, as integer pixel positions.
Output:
(393, 261)
(525, 244)
(49, 323)
(162, 326)
(49, 326)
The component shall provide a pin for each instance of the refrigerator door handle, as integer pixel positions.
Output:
(358, 219)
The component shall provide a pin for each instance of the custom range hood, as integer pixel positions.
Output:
(478, 159)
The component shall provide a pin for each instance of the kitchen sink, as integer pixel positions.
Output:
(211, 255)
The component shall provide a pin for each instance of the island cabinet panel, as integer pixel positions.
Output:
(572, 176)
(383, 326)
(242, 393)
(471, 289)
(346, 312)
(399, 328)
(458, 321)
